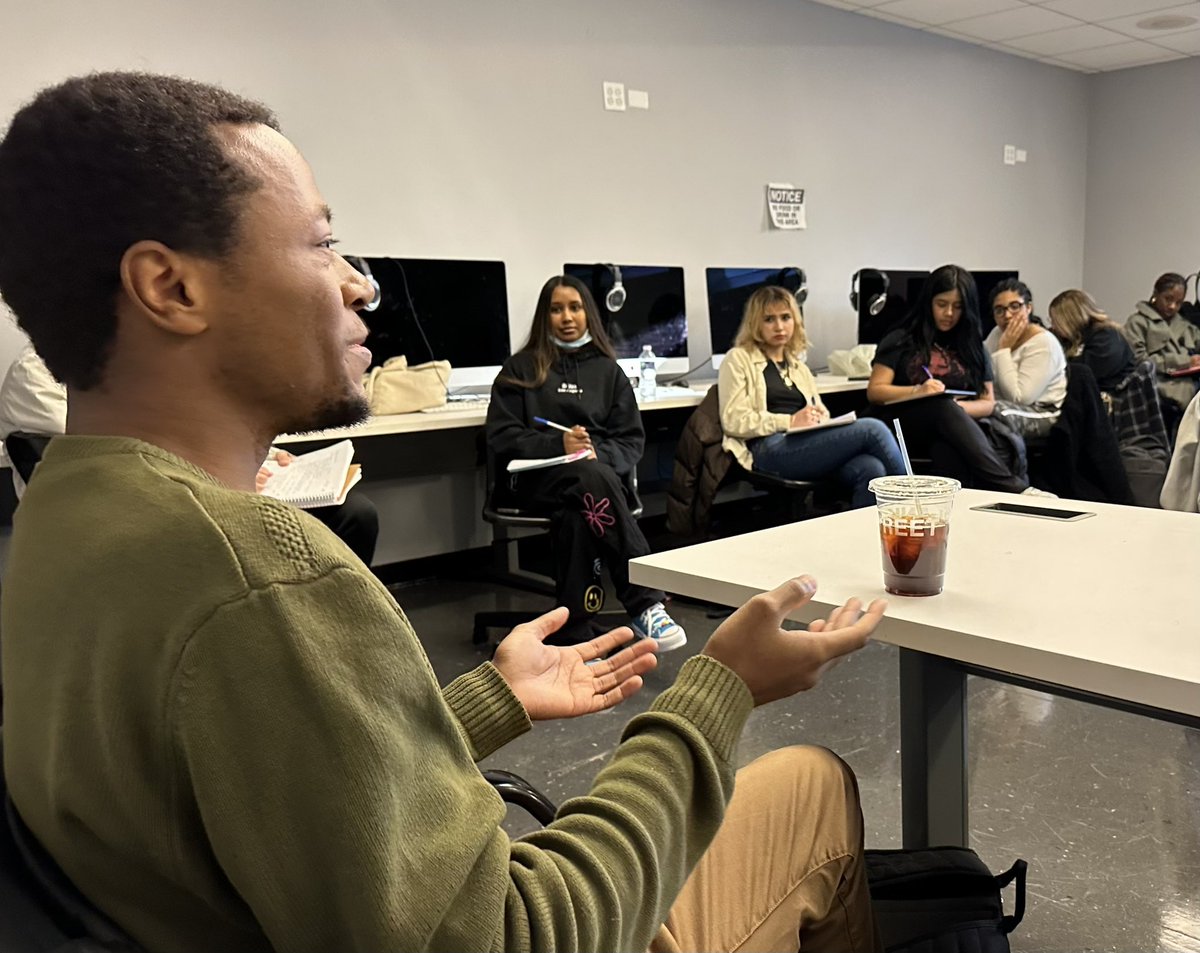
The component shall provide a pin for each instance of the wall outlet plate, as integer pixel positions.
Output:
(614, 96)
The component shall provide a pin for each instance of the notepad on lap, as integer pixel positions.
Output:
(921, 395)
(831, 422)
(1184, 372)
(519, 466)
(320, 478)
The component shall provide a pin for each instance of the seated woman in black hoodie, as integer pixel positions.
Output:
(567, 374)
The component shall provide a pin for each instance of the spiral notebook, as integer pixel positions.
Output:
(320, 478)
(520, 466)
(847, 418)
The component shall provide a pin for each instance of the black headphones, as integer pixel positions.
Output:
(361, 265)
(615, 299)
(877, 301)
(796, 281)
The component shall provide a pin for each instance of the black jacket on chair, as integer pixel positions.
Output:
(1082, 460)
(701, 463)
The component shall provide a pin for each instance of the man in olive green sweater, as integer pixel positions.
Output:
(217, 721)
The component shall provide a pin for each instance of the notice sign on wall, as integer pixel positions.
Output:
(786, 204)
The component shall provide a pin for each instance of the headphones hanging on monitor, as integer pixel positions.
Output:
(795, 281)
(615, 299)
(876, 302)
(360, 264)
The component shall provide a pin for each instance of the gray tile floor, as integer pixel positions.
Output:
(1105, 806)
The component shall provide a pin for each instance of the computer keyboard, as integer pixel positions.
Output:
(466, 405)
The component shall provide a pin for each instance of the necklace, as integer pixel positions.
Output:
(785, 372)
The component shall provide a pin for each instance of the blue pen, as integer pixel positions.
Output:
(928, 372)
(551, 423)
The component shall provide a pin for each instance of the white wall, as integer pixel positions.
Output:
(1143, 189)
(475, 129)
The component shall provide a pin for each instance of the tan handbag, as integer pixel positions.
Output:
(396, 388)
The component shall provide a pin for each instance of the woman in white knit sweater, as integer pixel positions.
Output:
(1030, 367)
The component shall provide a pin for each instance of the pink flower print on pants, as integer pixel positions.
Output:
(596, 513)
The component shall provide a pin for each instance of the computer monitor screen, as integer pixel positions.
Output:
(653, 313)
(441, 309)
(903, 288)
(728, 291)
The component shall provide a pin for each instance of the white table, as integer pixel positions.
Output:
(668, 398)
(1101, 609)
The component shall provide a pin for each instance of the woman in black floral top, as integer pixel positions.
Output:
(918, 369)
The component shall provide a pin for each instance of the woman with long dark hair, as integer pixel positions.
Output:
(940, 349)
(564, 393)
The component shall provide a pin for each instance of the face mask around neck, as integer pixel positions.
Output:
(574, 345)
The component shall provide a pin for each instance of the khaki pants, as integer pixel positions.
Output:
(785, 871)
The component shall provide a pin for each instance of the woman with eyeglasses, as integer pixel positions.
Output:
(934, 375)
(1030, 367)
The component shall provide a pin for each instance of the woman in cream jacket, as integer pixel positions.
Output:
(773, 418)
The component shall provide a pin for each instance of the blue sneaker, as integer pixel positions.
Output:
(655, 624)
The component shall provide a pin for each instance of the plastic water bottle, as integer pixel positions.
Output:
(647, 372)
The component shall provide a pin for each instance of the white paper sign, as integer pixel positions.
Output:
(786, 203)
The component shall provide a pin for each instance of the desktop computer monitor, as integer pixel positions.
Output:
(728, 291)
(441, 309)
(904, 288)
(654, 312)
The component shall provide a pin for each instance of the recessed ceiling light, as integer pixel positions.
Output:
(1168, 21)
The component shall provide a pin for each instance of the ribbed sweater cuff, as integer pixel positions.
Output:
(489, 712)
(711, 697)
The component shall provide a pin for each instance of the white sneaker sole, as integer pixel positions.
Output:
(676, 641)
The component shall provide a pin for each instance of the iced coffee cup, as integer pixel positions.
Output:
(914, 527)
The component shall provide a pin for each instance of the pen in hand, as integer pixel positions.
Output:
(928, 372)
(551, 423)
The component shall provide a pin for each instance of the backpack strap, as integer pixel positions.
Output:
(1015, 872)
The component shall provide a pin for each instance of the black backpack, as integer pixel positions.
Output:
(942, 900)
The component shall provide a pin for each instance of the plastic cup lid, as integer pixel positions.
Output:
(914, 487)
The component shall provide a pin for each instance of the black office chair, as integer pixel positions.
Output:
(506, 567)
(40, 909)
(25, 451)
(800, 496)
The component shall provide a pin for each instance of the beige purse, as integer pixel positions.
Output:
(396, 388)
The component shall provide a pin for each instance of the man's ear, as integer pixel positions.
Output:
(167, 288)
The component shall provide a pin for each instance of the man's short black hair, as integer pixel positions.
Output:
(92, 166)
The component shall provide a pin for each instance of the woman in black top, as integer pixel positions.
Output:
(940, 348)
(567, 375)
(1088, 335)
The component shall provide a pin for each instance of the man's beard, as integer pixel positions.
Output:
(344, 411)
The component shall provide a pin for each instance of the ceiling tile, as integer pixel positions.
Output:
(1119, 56)
(880, 15)
(1188, 42)
(1019, 22)
(1000, 48)
(937, 12)
(1095, 10)
(1129, 25)
(1084, 37)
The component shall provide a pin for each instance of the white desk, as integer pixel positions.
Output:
(1101, 609)
(669, 398)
